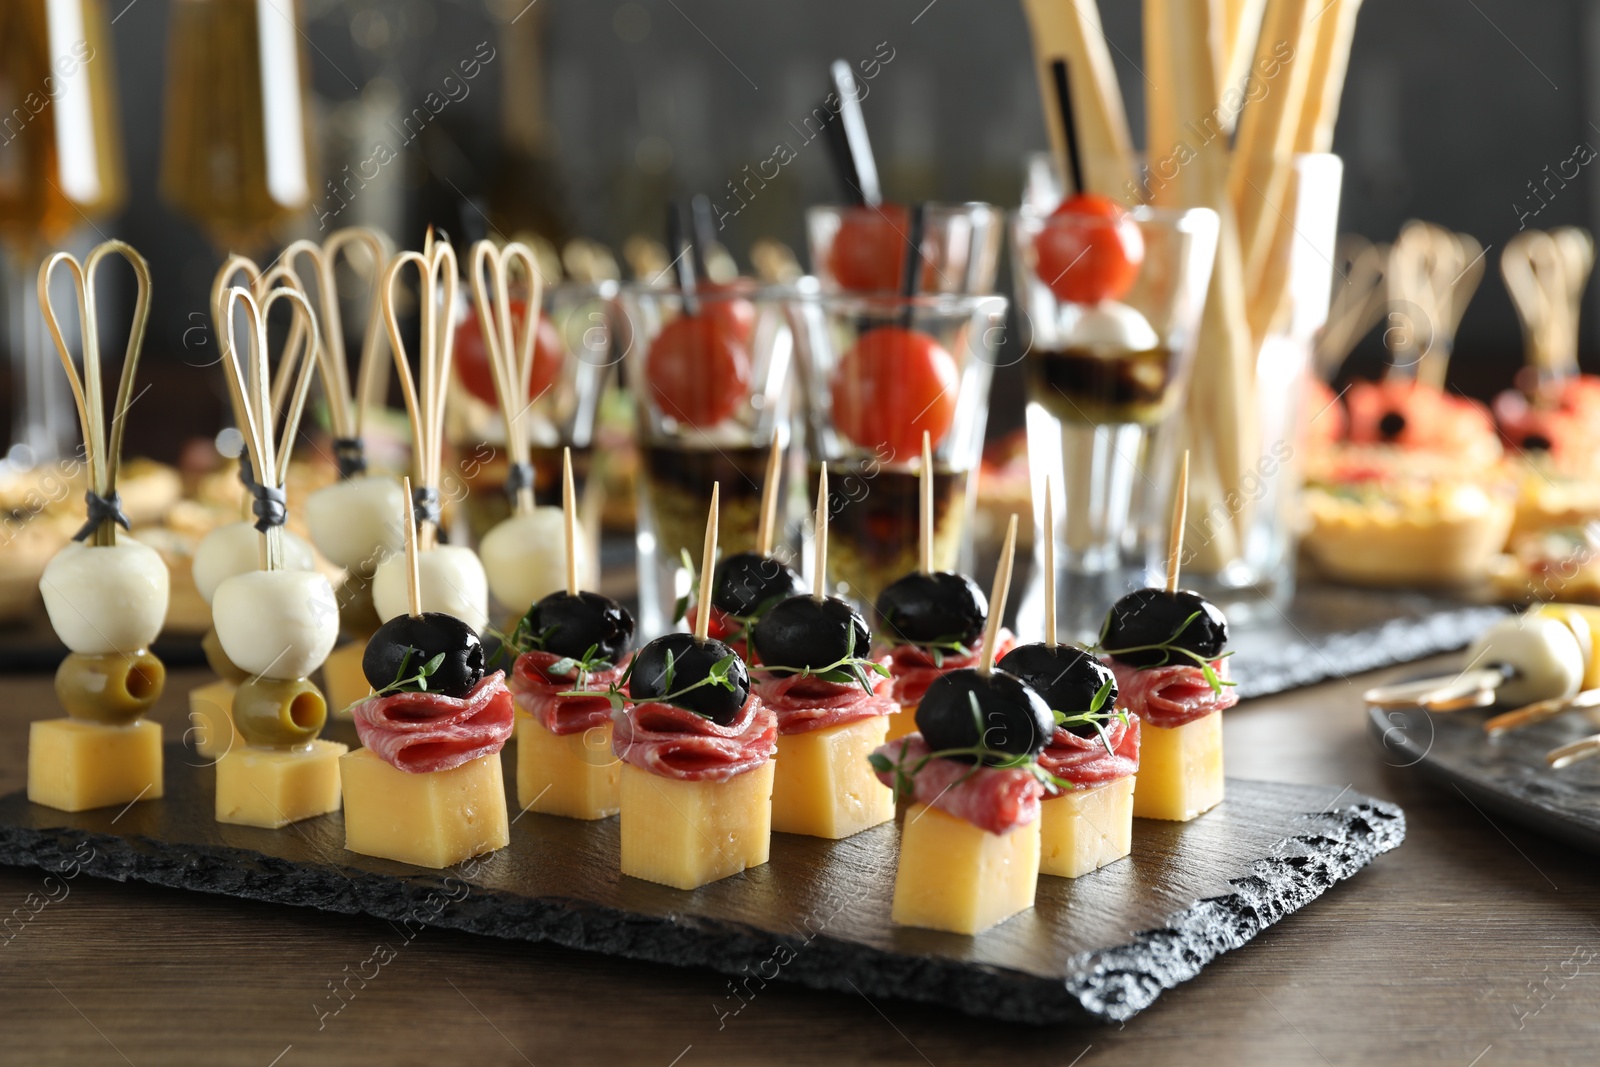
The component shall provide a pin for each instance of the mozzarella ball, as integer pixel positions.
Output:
(236, 549)
(450, 578)
(1106, 324)
(1544, 654)
(276, 624)
(526, 557)
(357, 522)
(104, 599)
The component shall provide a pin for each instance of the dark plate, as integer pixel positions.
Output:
(1506, 775)
(1100, 948)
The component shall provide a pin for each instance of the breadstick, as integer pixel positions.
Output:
(1333, 29)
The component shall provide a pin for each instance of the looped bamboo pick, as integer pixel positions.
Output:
(1359, 301)
(1546, 274)
(1437, 272)
(510, 354)
(260, 282)
(103, 453)
(424, 391)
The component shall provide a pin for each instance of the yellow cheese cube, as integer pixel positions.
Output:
(75, 766)
(576, 775)
(685, 834)
(432, 819)
(211, 727)
(342, 678)
(1084, 830)
(902, 722)
(1180, 769)
(954, 876)
(824, 786)
(274, 787)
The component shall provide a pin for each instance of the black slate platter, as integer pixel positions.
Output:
(1100, 948)
(1506, 775)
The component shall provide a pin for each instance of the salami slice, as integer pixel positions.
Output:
(990, 798)
(677, 743)
(914, 668)
(1173, 695)
(1084, 761)
(423, 732)
(538, 693)
(806, 704)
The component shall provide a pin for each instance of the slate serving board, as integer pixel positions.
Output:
(1506, 775)
(1100, 948)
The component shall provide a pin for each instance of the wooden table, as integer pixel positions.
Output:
(1474, 944)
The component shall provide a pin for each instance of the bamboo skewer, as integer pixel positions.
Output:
(413, 576)
(925, 508)
(708, 564)
(569, 520)
(1180, 514)
(1358, 304)
(1334, 30)
(819, 580)
(997, 600)
(1049, 566)
(769, 499)
(102, 453)
(510, 355)
(1236, 36)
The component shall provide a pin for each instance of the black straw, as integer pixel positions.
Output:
(854, 129)
(912, 270)
(1069, 127)
(682, 258)
(844, 168)
(701, 232)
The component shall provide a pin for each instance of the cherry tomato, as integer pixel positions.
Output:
(472, 358)
(868, 253)
(893, 385)
(698, 369)
(740, 314)
(1089, 250)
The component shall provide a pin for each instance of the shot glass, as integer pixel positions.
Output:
(859, 249)
(878, 372)
(710, 376)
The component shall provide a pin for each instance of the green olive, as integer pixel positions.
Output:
(270, 713)
(358, 616)
(225, 668)
(113, 689)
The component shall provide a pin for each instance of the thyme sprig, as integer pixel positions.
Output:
(617, 691)
(936, 648)
(851, 669)
(985, 756)
(1097, 716)
(1167, 648)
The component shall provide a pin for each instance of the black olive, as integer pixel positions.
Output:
(691, 662)
(1015, 720)
(404, 644)
(923, 608)
(744, 581)
(1155, 617)
(1536, 442)
(1066, 677)
(571, 625)
(1391, 426)
(806, 632)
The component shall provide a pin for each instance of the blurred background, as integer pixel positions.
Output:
(571, 118)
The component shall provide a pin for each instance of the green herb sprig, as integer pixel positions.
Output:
(904, 786)
(1097, 716)
(1167, 648)
(851, 669)
(617, 691)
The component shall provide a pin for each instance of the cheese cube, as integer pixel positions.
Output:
(343, 679)
(685, 834)
(576, 775)
(211, 728)
(432, 819)
(902, 723)
(274, 787)
(954, 876)
(1180, 769)
(75, 766)
(1084, 830)
(824, 786)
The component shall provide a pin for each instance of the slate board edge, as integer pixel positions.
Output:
(1479, 789)
(1110, 985)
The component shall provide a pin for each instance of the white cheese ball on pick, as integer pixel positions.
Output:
(236, 549)
(1541, 651)
(450, 579)
(1107, 324)
(106, 598)
(276, 624)
(526, 557)
(355, 522)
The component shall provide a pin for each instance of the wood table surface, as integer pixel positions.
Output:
(1475, 943)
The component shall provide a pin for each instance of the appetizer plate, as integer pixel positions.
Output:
(1506, 775)
(1100, 948)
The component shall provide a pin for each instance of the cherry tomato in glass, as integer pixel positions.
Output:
(698, 370)
(893, 385)
(740, 314)
(868, 252)
(1089, 250)
(472, 358)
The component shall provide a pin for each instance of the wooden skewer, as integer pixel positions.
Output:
(1358, 302)
(769, 499)
(925, 508)
(346, 409)
(413, 576)
(1539, 711)
(708, 564)
(1568, 754)
(1049, 566)
(819, 580)
(569, 515)
(510, 354)
(1180, 512)
(997, 599)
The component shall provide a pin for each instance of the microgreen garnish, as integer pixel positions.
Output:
(851, 669)
(579, 667)
(617, 691)
(984, 757)
(414, 683)
(1167, 648)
